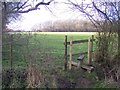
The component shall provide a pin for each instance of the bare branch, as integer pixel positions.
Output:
(80, 8)
(100, 11)
(21, 9)
(117, 10)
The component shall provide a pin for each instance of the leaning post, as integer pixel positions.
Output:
(89, 50)
(92, 40)
(65, 53)
(11, 51)
(70, 64)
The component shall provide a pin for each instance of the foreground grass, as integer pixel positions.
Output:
(46, 52)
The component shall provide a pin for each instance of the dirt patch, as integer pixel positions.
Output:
(14, 78)
(81, 82)
(84, 83)
(64, 83)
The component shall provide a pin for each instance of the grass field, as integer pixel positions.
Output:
(45, 50)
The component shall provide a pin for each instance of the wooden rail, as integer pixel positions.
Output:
(80, 41)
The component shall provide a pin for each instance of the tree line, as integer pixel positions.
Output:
(65, 26)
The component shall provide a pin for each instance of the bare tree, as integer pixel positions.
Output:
(12, 10)
(105, 16)
(101, 14)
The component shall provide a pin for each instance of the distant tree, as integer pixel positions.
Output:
(65, 26)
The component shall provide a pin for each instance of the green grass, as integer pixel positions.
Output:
(45, 50)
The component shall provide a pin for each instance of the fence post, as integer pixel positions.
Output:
(92, 46)
(11, 41)
(89, 50)
(65, 53)
(70, 63)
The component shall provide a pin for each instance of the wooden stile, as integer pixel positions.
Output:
(69, 62)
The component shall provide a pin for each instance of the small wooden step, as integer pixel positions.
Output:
(73, 63)
(87, 67)
(81, 57)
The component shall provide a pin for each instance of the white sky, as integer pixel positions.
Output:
(60, 12)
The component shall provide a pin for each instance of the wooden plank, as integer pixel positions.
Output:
(81, 57)
(65, 55)
(70, 53)
(73, 63)
(87, 67)
(79, 63)
(79, 41)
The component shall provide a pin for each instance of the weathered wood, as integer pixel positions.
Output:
(65, 53)
(79, 64)
(92, 43)
(87, 67)
(89, 52)
(70, 53)
(81, 57)
(11, 52)
(79, 41)
(73, 63)
(92, 47)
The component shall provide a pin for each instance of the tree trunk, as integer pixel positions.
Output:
(118, 32)
(119, 46)
(4, 16)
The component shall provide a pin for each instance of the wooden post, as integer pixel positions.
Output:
(79, 64)
(11, 40)
(65, 53)
(89, 50)
(70, 64)
(92, 47)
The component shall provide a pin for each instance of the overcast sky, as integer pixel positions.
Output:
(59, 12)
